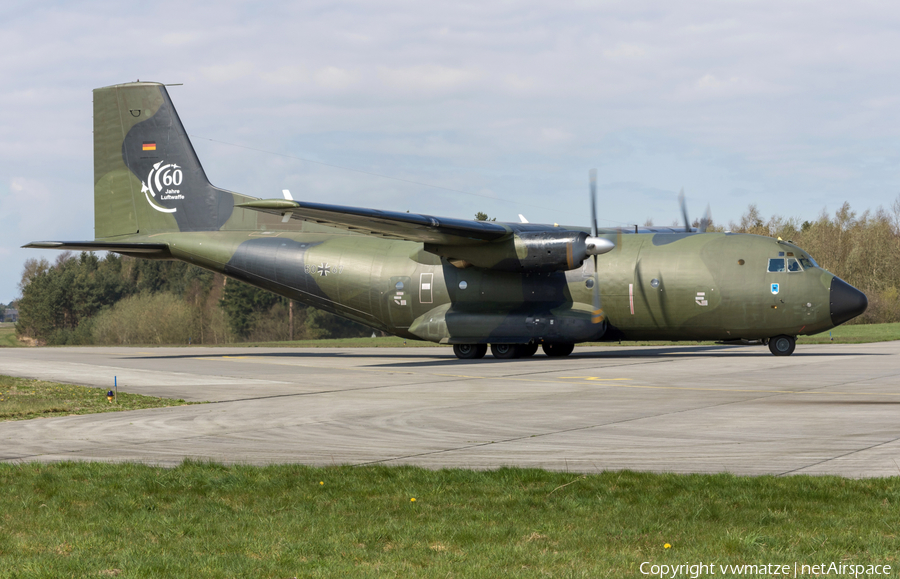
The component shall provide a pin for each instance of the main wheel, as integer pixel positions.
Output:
(470, 351)
(529, 350)
(782, 345)
(558, 349)
(506, 351)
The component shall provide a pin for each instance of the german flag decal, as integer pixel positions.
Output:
(148, 146)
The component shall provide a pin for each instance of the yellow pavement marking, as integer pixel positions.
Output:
(591, 378)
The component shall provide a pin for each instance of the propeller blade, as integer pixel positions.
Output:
(707, 219)
(597, 316)
(681, 202)
(593, 174)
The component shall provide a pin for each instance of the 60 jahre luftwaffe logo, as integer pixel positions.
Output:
(160, 184)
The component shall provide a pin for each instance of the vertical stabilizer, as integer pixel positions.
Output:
(147, 177)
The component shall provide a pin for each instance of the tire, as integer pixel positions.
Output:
(470, 351)
(529, 350)
(506, 351)
(558, 349)
(782, 345)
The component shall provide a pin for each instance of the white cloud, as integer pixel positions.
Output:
(625, 52)
(333, 77)
(229, 72)
(428, 78)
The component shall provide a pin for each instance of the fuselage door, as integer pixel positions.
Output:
(426, 288)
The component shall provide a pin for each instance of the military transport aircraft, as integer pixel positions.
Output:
(515, 286)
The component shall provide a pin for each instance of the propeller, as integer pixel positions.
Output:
(597, 316)
(707, 219)
(683, 205)
(704, 222)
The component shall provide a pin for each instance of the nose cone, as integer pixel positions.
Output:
(847, 302)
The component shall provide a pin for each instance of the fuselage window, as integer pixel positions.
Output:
(792, 265)
(776, 264)
(807, 263)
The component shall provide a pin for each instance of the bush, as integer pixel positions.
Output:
(161, 318)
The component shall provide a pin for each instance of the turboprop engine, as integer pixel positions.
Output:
(540, 251)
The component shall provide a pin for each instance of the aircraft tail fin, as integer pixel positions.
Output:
(147, 177)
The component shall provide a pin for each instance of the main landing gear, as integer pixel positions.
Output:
(470, 351)
(512, 351)
(782, 345)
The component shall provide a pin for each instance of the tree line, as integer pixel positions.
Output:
(86, 299)
(114, 300)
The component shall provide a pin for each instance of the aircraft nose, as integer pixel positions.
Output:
(847, 302)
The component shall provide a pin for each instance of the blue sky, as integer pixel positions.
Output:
(788, 105)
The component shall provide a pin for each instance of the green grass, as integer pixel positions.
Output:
(855, 334)
(8, 336)
(208, 520)
(22, 398)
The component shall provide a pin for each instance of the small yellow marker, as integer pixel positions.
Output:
(412, 500)
(321, 482)
(667, 546)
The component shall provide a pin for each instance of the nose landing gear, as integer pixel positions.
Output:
(782, 345)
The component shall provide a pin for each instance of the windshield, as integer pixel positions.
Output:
(776, 264)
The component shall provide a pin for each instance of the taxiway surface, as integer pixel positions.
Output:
(830, 409)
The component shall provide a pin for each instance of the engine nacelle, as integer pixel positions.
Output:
(540, 251)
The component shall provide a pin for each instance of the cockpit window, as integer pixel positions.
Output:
(792, 265)
(807, 263)
(776, 264)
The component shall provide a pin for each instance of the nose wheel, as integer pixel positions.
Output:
(782, 345)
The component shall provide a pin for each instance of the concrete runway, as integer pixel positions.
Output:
(831, 409)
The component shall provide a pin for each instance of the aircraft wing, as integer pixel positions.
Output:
(391, 224)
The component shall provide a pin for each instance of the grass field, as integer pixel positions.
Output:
(208, 520)
(8, 336)
(855, 334)
(22, 398)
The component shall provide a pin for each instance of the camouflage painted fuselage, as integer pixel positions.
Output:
(702, 291)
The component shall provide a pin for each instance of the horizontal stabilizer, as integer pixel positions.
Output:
(408, 226)
(143, 248)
